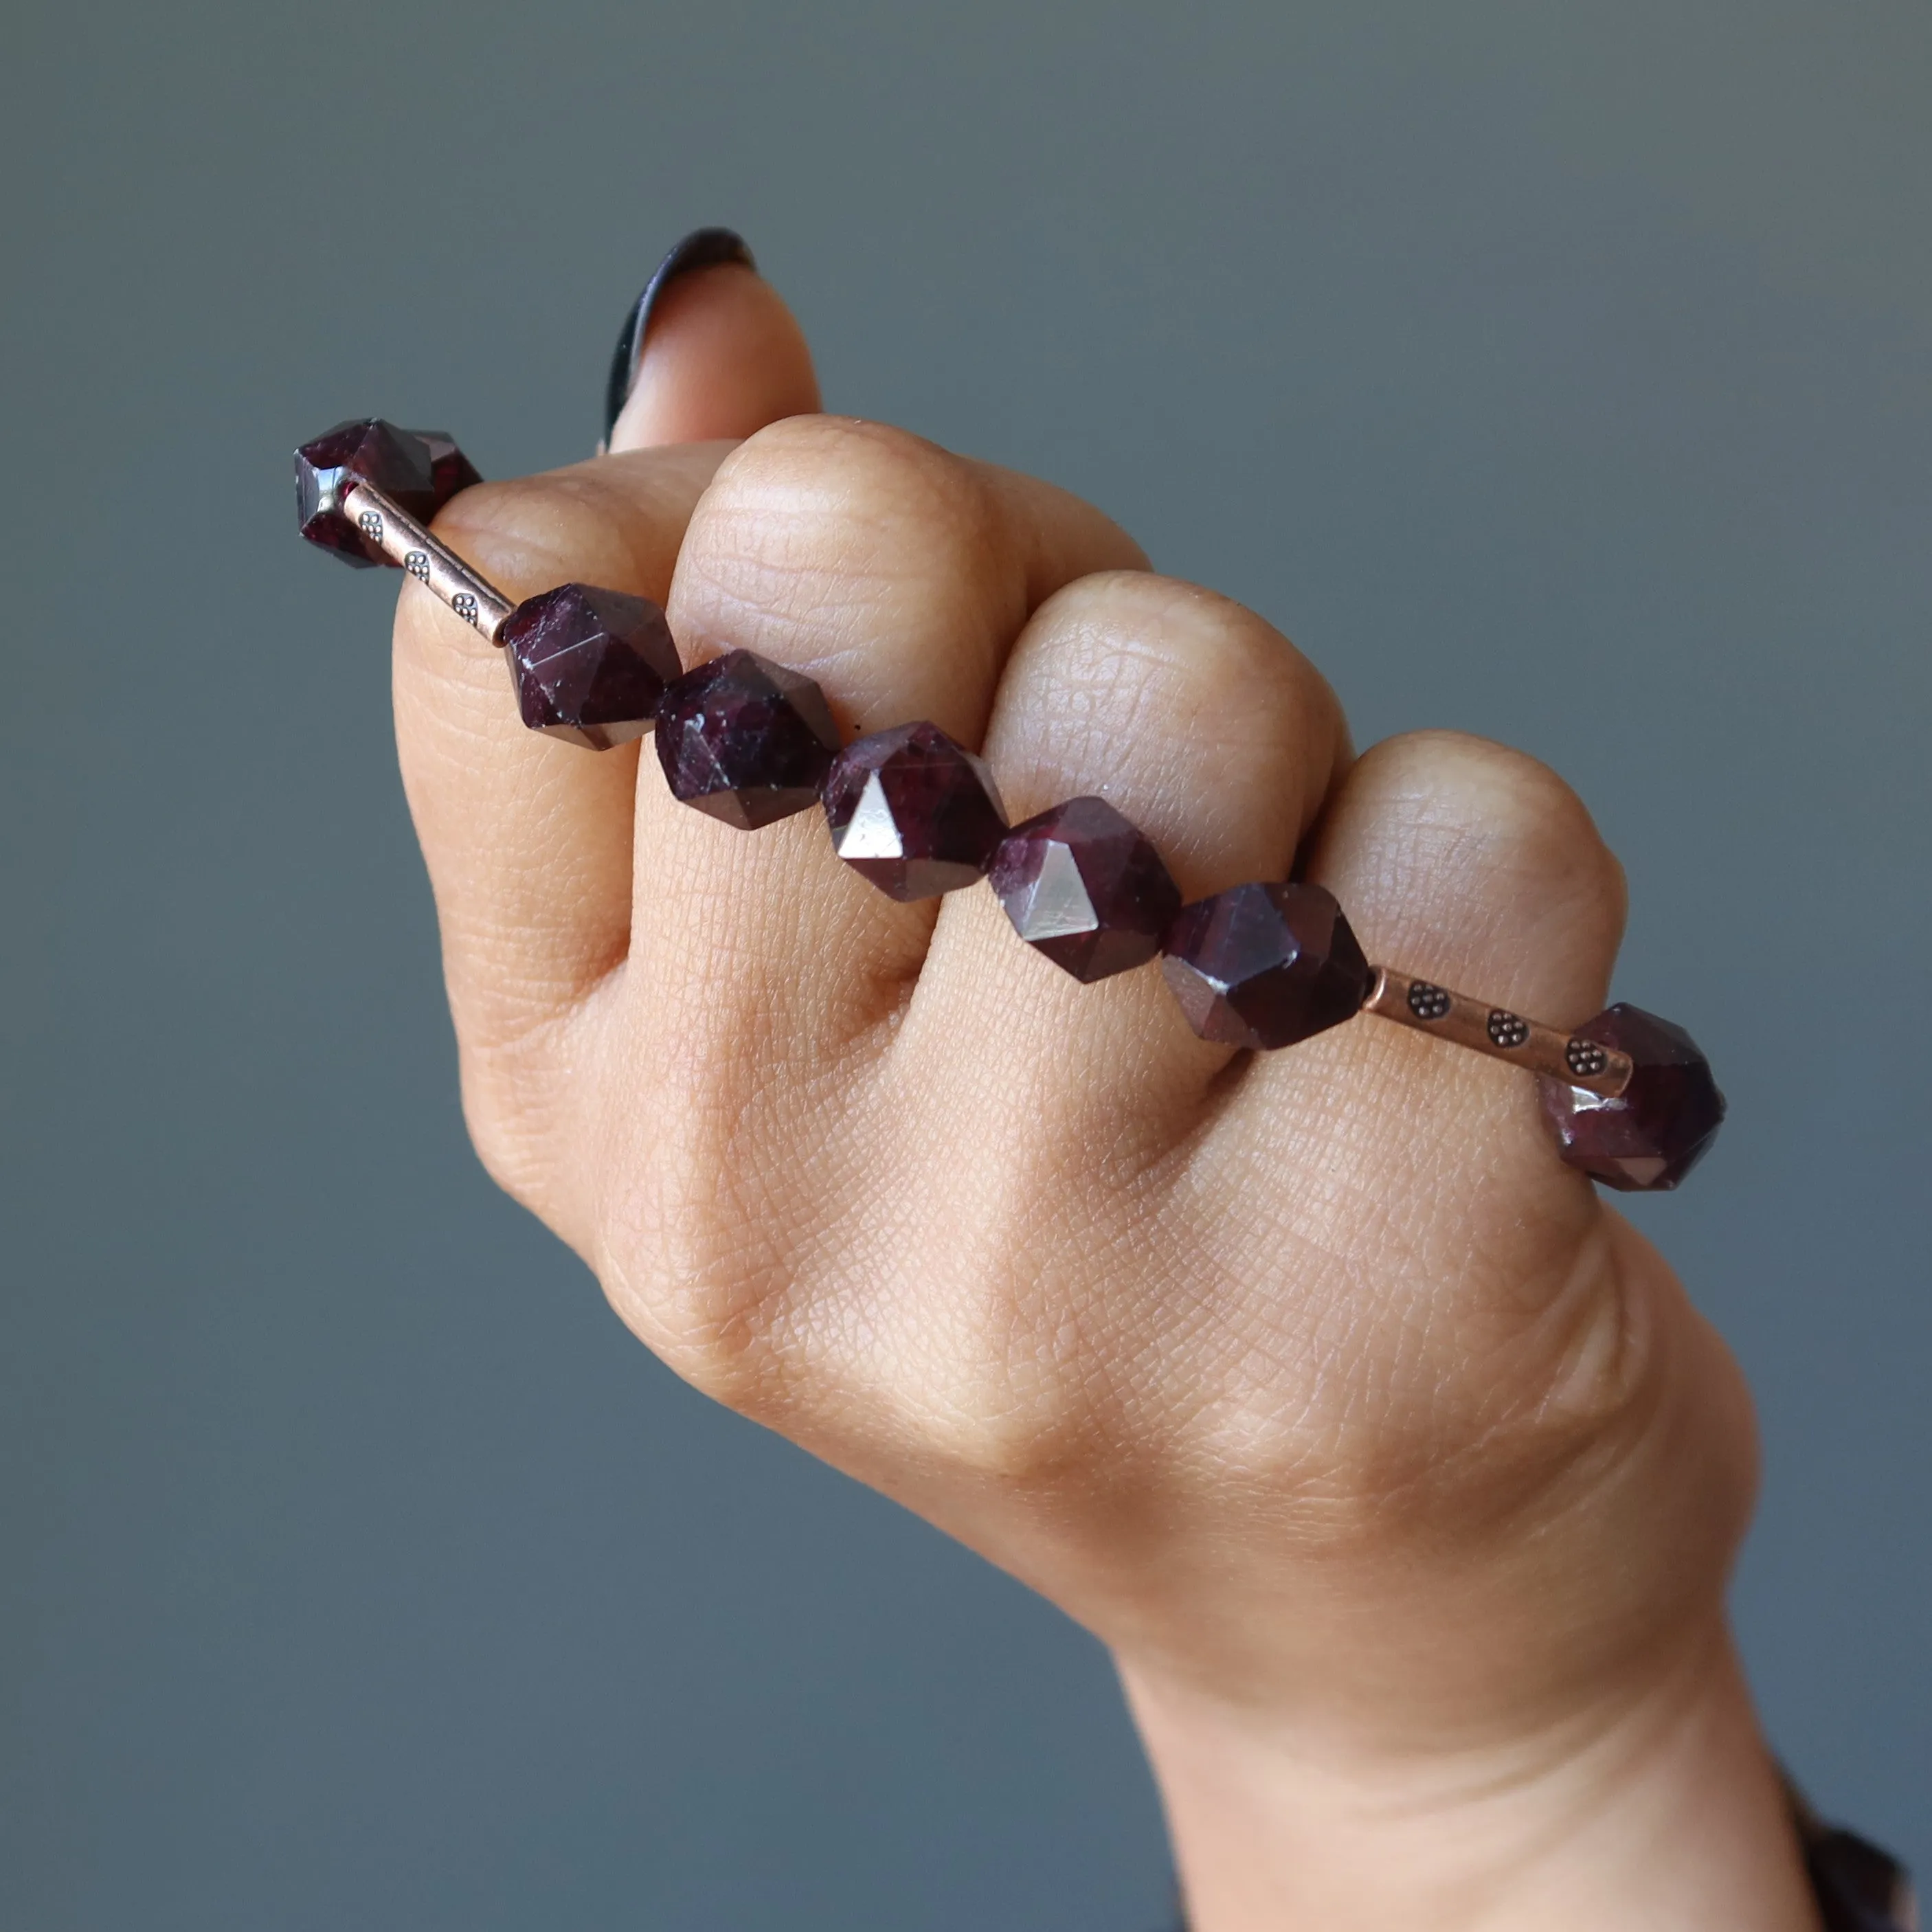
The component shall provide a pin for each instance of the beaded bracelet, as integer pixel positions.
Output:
(1858, 1888)
(1264, 965)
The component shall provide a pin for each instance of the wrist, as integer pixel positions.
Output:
(1662, 1811)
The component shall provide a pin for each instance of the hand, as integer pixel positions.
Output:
(1395, 1468)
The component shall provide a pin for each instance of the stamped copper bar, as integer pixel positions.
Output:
(404, 540)
(1496, 1031)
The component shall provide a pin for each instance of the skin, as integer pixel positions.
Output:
(1394, 1467)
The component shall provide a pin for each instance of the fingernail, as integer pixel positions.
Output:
(702, 248)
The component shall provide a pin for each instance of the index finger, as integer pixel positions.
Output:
(528, 840)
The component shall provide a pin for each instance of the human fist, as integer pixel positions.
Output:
(1368, 1438)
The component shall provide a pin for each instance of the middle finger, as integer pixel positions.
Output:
(897, 576)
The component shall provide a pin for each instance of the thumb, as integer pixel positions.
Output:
(708, 351)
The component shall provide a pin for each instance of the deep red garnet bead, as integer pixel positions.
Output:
(1649, 1137)
(1264, 966)
(420, 470)
(914, 812)
(1084, 886)
(747, 741)
(451, 471)
(589, 665)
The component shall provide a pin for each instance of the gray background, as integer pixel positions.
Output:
(1559, 372)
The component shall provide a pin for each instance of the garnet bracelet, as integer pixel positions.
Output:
(1858, 1887)
(1631, 1097)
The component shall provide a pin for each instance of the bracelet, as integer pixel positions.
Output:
(1261, 965)
(1858, 1887)
(1629, 1096)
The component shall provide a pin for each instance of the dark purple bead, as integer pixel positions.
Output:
(590, 665)
(747, 741)
(1084, 886)
(1264, 966)
(916, 813)
(1660, 1126)
(398, 462)
(452, 472)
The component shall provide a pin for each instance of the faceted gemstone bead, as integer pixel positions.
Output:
(914, 812)
(450, 469)
(398, 462)
(1264, 966)
(589, 665)
(747, 741)
(1660, 1126)
(1085, 886)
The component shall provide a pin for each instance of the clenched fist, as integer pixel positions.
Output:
(1393, 1466)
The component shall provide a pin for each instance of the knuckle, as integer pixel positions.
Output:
(615, 521)
(1027, 1431)
(846, 467)
(819, 520)
(1201, 659)
(518, 1049)
(1454, 777)
(1190, 712)
(1031, 1362)
(1483, 811)
(695, 1246)
(522, 532)
(706, 1306)
(502, 1121)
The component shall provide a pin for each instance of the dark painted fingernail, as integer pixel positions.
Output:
(702, 248)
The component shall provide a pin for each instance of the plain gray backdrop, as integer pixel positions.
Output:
(1563, 373)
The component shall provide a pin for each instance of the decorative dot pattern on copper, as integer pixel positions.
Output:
(1586, 1058)
(1426, 1002)
(1506, 1029)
